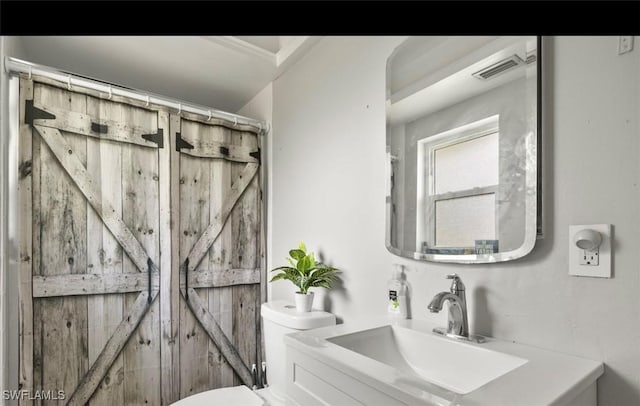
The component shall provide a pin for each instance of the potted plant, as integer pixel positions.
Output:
(305, 273)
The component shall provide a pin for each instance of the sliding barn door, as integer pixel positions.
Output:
(216, 204)
(141, 250)
(95, 249)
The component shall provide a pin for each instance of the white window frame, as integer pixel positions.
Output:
(426, 196)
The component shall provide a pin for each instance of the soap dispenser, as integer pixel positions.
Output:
(397, 294)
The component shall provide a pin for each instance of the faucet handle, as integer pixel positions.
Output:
(456, 284)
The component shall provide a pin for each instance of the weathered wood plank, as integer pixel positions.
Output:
(63, 251)
(194, 218)
(228, 124)
(104, 257)
(142, 104)
(221, 278)
(113, 347)
(141, 214)
(92, 284)
(244, 324)
(244, 221)
(221, 305)
(220, 299)
(75, 168)
(200, 310)
(217, 150)
(213, 230)
(193, 354)
(237, 243)
(262, 261)
(77, 306)
(25, 190)
(97, 94)
(223, 312)
(94, 125)
(174, 123)
(256, 254)
(38, 311)
(167, 339)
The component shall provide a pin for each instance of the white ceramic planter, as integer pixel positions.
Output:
(304, 302)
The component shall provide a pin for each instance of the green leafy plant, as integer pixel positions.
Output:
(305, 272)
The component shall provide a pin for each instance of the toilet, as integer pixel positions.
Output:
(278, 318)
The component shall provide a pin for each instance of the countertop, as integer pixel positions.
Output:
(548, 378)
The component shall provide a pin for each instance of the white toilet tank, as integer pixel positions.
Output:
(279, 318)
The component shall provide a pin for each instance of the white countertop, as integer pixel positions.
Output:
(547, 378)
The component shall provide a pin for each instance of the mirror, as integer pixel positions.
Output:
(463, 131)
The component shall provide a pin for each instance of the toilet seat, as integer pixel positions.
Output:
(237, 395)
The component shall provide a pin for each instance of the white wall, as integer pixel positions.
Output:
(328, 190)
(9, 46)
(260, 106)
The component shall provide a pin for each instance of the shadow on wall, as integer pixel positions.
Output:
(615, 246)
(337, 289)
(617, 383)
(408, 293)
(481, 314)
(545, 169)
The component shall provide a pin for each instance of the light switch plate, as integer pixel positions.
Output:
(625, 44)
(603, 268)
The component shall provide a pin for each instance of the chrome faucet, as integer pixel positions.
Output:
(458, 324)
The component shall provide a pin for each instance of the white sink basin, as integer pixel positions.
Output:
(456, 366)
(382, 362)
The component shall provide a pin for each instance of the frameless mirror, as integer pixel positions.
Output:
(462, 148)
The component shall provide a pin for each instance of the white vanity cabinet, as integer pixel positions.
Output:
(350, 364)
(311, 382)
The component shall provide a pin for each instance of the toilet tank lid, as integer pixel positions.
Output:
(284, 313)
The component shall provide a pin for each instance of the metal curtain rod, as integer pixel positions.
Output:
(14, 65)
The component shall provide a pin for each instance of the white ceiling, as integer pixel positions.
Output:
(219, 72)
(427, 75)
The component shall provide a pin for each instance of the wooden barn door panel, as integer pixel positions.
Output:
(218, 211)
(95, 236)
(60, 322)
(141, 268)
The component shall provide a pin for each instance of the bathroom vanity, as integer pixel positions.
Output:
(384, 362)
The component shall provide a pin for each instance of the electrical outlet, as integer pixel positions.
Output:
(625, 44)
(589, 257)
(596, 263)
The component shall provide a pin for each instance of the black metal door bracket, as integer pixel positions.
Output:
(149, 267)
(99, 128)
(186, 279)
(256, 155)
(33, 113)
(158, 138)
(182, 144)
